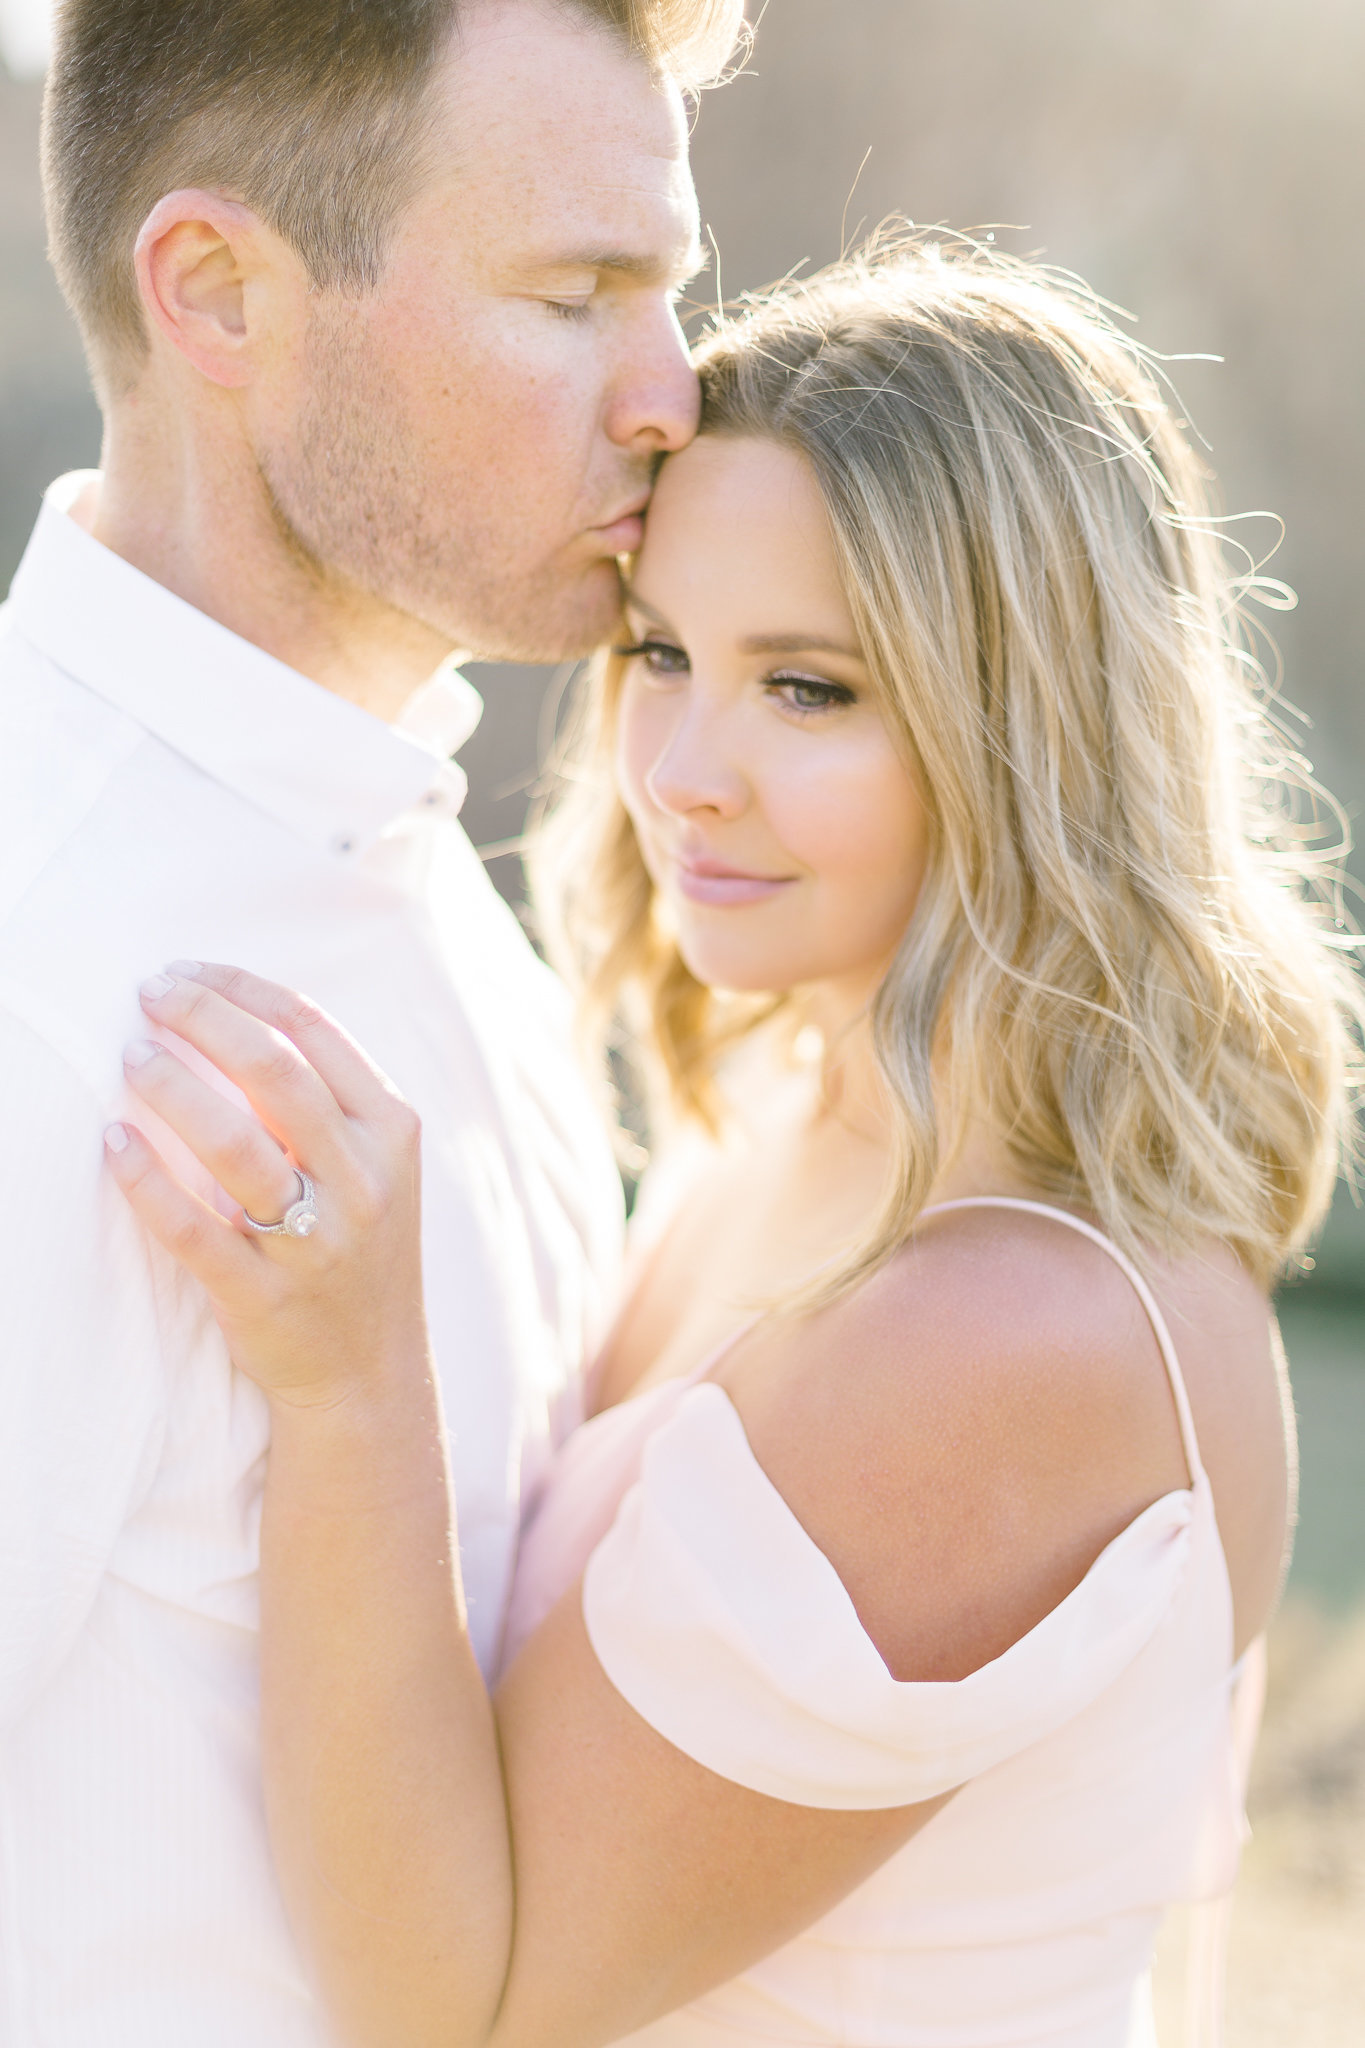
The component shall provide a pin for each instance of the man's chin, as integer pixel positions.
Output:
(566, 624)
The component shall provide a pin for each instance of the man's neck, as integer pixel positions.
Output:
(199, 523)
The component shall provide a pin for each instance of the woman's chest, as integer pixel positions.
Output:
(748, 1235)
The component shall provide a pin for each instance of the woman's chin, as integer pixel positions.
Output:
(736, 971)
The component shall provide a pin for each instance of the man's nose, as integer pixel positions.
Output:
(656, 401)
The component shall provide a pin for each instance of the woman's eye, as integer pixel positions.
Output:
(660, 657)
(811, 693)
(570, 309)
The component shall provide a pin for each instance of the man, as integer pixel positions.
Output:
(378, 298)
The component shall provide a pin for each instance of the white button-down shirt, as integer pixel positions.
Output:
(169, 791)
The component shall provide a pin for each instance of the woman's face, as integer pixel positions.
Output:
(776, 814)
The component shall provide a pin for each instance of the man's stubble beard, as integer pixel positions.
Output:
(347, 495)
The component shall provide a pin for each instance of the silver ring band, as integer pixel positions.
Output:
(300, 1219)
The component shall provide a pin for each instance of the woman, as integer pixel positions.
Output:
(872, 1649)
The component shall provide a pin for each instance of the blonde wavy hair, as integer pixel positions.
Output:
(1128, 952)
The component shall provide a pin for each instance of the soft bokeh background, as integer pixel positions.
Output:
(1201, 163)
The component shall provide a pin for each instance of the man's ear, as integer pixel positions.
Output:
(200, 261)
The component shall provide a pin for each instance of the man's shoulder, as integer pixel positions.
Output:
(51, 1064)
(59, 746)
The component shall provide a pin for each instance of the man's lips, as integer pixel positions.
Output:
(623, 533)
(709, 881)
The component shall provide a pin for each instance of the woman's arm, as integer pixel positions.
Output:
(565, 1876)
(383, 1779)
(555, 1871)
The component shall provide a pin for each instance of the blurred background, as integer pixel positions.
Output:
(1200, 162)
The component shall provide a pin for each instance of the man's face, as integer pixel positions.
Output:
(474, 442)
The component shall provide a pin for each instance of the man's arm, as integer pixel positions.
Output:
(81, 1376)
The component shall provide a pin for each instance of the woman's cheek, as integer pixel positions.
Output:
(853, 815)
(862, 837)
(640, 738)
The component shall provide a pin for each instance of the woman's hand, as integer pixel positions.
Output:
(315, 1319)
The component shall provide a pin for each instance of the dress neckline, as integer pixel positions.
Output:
(1171, 1519)
(696, 1399)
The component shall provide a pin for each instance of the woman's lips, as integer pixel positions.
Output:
(722, 886)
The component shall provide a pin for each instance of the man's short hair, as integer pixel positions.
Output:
(309, 111)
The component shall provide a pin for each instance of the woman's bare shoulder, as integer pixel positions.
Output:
(965, 1433)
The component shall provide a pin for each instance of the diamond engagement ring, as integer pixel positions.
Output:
(300, 1219)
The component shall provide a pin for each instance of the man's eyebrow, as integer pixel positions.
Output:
(631, 262)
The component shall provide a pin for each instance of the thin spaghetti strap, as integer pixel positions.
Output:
(1144, 1294)
(720, 1352)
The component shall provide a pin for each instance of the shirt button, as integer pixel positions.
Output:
(344, 843)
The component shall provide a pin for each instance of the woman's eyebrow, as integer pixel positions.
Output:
(759, 643)
(797, 643)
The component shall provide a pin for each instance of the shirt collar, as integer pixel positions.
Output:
(329, 771)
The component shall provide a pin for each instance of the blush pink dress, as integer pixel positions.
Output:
(1096, 1760)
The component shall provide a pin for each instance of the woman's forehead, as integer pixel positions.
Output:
(737, 531)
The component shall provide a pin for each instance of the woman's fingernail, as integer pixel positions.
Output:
(116, 1138)
(186, 969)
(158, 985)
(139, 1052)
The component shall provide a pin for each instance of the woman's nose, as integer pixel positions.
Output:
(695, 771)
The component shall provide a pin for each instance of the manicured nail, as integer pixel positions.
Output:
(139, 1052)
(186, 969)
(116, 1138)
(159, 985)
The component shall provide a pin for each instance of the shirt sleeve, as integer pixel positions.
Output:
(714, 1614)
(81, 1380)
